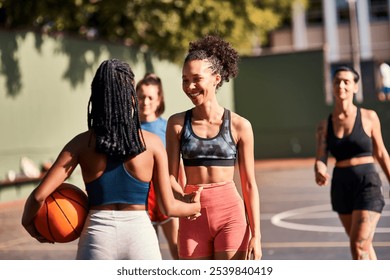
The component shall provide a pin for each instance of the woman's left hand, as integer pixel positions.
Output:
(254, 251)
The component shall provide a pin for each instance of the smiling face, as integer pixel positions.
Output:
(344, 85)
(148, 101)
(198, 81)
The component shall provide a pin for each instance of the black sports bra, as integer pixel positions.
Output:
(356, 144)
(217, 151)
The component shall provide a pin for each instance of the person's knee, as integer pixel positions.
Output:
(360, 248)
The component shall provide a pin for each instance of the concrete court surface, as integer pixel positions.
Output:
(296, 221)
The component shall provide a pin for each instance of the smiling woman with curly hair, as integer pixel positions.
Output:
(211, 140)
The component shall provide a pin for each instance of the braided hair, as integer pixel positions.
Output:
(113, 111)
(222, 56)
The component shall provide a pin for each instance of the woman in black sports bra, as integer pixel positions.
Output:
(352, 135)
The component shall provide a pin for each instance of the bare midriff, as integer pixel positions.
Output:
(355, 161)
(196, 175)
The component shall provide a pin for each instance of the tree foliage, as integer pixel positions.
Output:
(161, 27)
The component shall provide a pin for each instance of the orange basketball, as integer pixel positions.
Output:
(61, 218)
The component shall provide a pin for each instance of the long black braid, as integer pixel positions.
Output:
(113, 111)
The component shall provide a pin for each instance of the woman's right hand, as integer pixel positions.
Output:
(321, 174)
(322, 179)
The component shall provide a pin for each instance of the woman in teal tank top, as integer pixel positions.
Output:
(117, 161)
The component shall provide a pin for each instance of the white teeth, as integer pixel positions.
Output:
(194, 94)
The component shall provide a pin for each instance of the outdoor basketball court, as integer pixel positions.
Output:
(296, 221)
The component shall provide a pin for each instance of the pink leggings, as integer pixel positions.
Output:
(222, 226)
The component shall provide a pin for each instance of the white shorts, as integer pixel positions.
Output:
(118, 235)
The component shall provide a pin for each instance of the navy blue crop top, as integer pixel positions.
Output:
(217, 151)
(116, 185)
(356, 144)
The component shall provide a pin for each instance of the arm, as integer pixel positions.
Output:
(380, 151)
(250, 190)
(182, 175)
(320, 165)
(62, 168)
(164, 191)
(175, 165)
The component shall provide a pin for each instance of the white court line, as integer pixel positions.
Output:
(321, 211)
(315, 244)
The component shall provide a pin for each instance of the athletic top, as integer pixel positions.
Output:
(116, 185)
(158, 126)
(356, 144)
(217, 151)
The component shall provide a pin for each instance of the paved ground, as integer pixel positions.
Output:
(296, 221)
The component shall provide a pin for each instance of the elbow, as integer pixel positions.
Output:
(251, 188)
(167, 213)
(37, 199)
(169, 210)
(165, 209)
(381, 157)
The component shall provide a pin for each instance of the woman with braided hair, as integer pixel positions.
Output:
(211, 139)
(118, 161)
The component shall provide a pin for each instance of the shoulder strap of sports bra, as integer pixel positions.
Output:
(358, 114)
(226, 114)
(226, 121)
(358, 120)
(188, 116)
(186, 124)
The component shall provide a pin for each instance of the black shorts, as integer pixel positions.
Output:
(356, 188)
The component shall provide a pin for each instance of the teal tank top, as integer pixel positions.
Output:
(116, 185)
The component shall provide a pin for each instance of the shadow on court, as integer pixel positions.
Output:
(296, 221)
